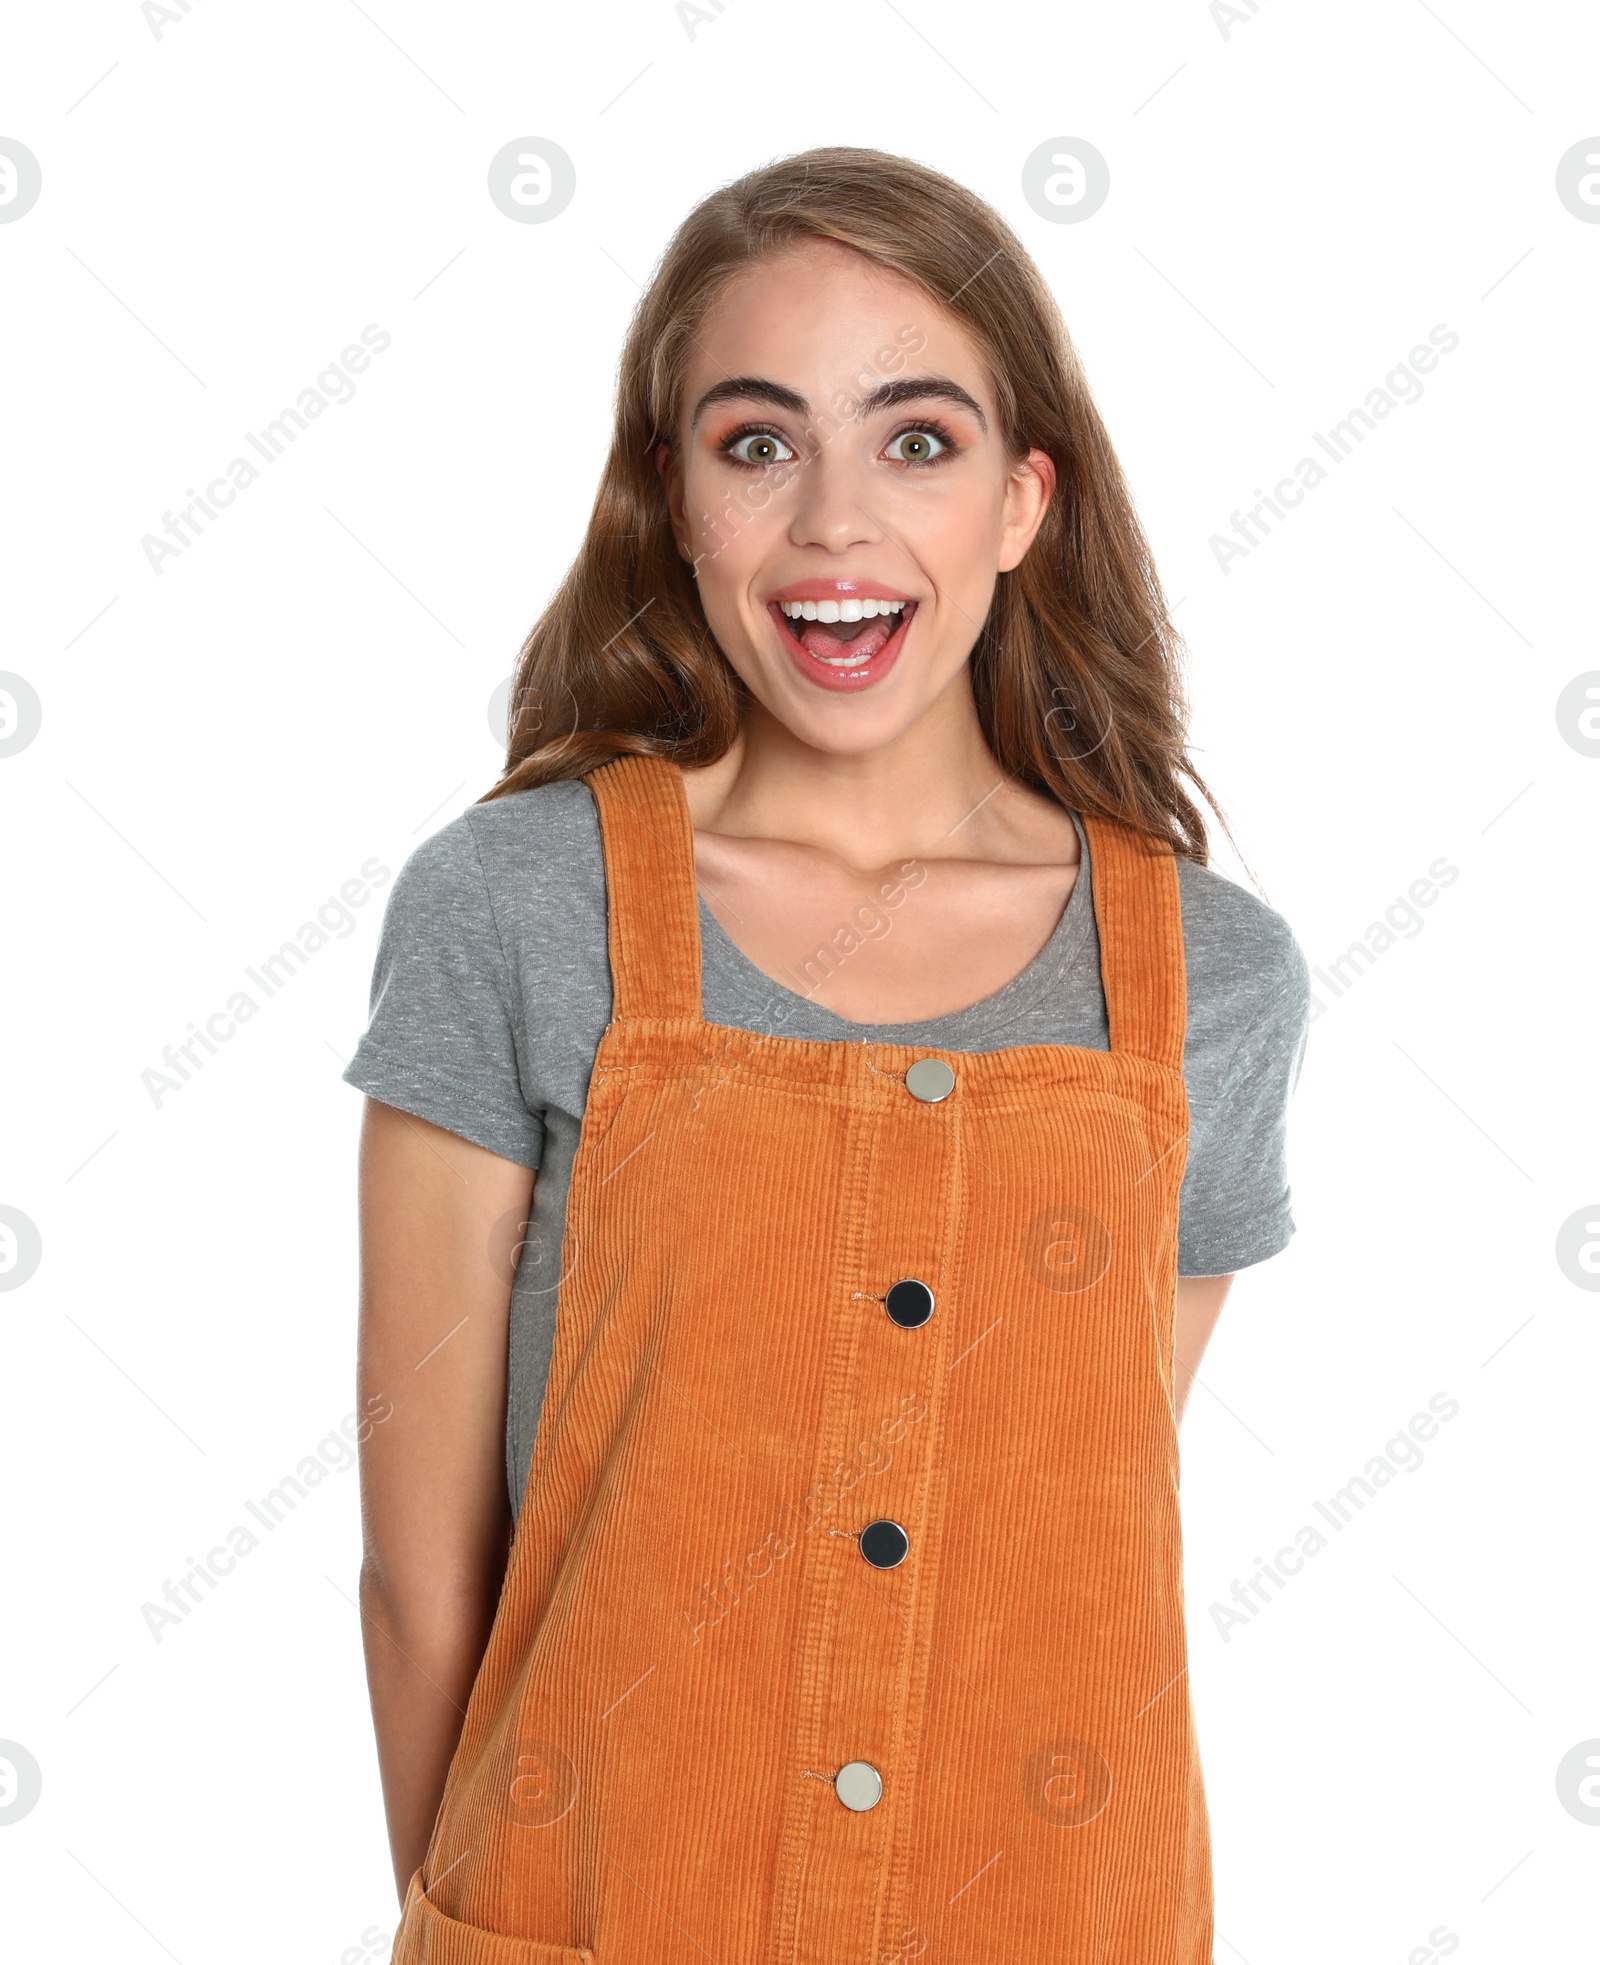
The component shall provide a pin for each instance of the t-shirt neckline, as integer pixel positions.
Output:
(955, 1028)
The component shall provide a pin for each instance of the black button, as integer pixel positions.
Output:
(884, 1544)
(909, 1304)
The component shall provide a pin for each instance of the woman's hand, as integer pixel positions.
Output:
(436, 1517)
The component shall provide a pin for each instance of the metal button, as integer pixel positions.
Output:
(909, 1304)
(884, 1544)
(930, 1079)
(859, 1785)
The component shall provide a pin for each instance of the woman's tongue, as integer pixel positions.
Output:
(856, 641)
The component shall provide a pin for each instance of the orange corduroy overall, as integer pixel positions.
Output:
(843, 1623)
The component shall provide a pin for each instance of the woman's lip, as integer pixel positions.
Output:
(836, 590)
(823, 675)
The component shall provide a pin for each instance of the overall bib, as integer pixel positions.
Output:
(843, 1623)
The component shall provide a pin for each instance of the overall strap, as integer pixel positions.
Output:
(1140, 920)
(652, 902)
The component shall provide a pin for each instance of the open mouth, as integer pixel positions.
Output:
(845, 634)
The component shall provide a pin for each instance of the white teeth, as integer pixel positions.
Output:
(839, 610)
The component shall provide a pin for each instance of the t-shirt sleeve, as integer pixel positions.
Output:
(1235, 1204)
(440, 1038)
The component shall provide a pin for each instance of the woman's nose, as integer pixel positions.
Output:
(831, 503)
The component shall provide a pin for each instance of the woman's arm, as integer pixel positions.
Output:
(1200, 1300)
(436, 1517)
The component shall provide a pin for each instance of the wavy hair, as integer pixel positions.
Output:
(1075, 671)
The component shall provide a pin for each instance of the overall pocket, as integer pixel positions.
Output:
(427, 1937)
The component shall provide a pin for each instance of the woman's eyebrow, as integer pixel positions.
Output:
(913, 388)
(752, 389)
(921, 388)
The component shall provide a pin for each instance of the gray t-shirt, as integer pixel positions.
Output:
(492, 986)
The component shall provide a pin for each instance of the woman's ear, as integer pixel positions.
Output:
(672, 480)
(1029, 490)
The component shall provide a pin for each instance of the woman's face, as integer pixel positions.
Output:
(842, 486)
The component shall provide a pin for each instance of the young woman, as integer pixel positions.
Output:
(904, 1090)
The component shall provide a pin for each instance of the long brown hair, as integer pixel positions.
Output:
(1075, 672)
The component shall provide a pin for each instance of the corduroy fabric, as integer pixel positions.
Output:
(689, 1643)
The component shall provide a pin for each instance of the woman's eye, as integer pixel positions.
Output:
(915, 447)
(760, 447)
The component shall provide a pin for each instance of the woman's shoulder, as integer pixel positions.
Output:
(529, 842)
(1238, 947)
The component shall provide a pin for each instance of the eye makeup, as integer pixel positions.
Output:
(923, 425)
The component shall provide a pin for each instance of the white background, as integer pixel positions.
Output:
(1294, 203)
